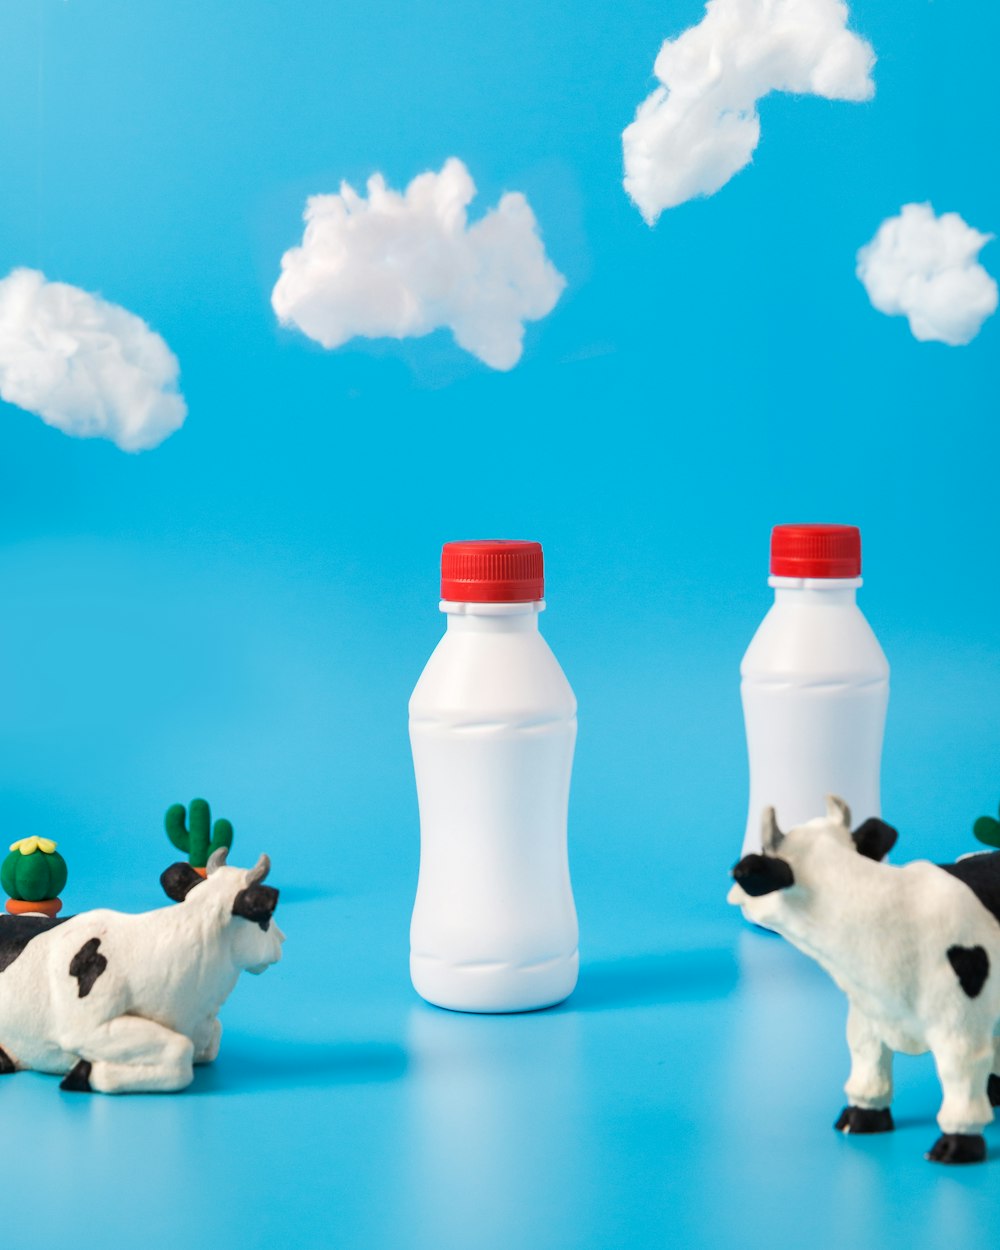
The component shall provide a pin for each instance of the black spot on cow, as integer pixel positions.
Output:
(993, 1090)
(77, 1080)
(981, 873)
(87, 965)
(17, 931)
(763, 874)
(6, 1064)
(256, 903)
(972, 967)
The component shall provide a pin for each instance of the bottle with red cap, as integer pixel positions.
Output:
(815, 684)
(493, 727)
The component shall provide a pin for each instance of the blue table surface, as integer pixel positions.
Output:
(684, 1096)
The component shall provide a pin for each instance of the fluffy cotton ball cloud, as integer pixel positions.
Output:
(399, 265)
(925, 268)
(90, 368)
(701, 126)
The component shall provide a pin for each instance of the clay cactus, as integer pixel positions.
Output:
(33, 874)
(987, 830)
(195, 836)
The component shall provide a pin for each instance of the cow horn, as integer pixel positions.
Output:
(259, 870)
(837, 810)
(771, 836)
(217, 859)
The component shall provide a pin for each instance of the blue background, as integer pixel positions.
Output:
(244, 611)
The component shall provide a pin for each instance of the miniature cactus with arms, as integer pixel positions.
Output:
(193, 836)
(987, 830)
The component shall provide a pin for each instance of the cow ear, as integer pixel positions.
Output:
(178, 880)
(874, 839)
(763, 874)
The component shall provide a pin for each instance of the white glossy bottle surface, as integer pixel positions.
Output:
(815, 687)
(493, 727)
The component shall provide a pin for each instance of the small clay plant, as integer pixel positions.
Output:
(987, 830)
(33, 874)
(193, 833)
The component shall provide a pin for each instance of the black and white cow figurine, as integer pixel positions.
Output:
(126, 1003)
(916, 949)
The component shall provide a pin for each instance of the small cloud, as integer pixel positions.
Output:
(925, 268)
(399, 265)
(90, 368)
(701, 126)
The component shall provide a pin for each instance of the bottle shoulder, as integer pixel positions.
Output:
(506, 674)
(835, 640)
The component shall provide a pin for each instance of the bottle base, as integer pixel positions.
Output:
(494, 988)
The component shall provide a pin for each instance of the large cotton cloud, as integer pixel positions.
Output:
(90, 368)
(701, 126)
(925, 268)
(401, 265)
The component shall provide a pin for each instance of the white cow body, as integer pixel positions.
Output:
(134, 996)
(884, 934)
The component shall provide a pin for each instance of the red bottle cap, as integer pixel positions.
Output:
(816, 551)
(492, 571)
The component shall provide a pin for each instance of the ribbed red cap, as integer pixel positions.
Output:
(816, 551)
(494, 570)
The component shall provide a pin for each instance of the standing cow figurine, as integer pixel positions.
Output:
(916, 950)
(128, 1003)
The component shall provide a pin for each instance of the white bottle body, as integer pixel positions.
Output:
(815, 688)
(492, 728)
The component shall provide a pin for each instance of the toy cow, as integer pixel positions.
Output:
(121, 1003)
(916, 950)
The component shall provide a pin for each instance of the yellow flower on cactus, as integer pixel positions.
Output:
(28, 846)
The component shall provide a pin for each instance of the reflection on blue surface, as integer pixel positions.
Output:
(684, 1097)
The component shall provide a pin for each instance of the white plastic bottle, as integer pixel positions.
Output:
(492, 727)
(815, 684)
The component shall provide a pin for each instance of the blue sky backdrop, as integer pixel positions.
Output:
(244, 610)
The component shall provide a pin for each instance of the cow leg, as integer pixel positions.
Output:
(132, 1055)
(7, 1065)
(206, 1040)
(964, 1066)
(869, 1087)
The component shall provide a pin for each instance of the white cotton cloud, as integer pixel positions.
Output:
(399, 265)
(90, 368)
(925, 268)
(701, 126)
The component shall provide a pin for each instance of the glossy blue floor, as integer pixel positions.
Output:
(684, 1096)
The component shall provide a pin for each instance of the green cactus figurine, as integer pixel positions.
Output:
(193, 837)
(987, 830)
(33, 874)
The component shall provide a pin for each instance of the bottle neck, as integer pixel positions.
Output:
(820, 591)
(492, 618)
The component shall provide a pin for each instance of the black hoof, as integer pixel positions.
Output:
(993, 1090)
(7, 1064)
(865, 1120)
(958, 1148)
(77, 1081)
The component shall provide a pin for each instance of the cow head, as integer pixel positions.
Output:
(238, 901)
(791, 863)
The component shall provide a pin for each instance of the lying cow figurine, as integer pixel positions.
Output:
(121, 1003)
(915, 949)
